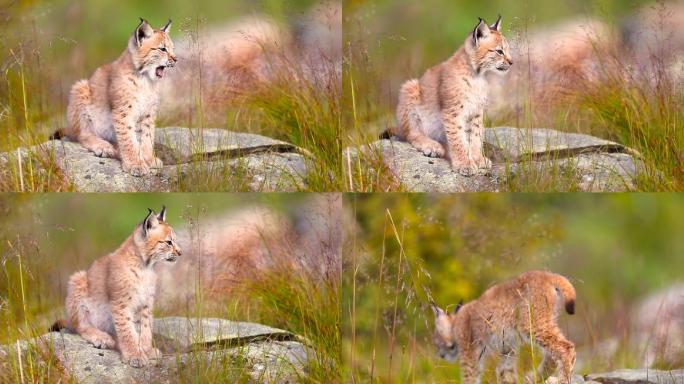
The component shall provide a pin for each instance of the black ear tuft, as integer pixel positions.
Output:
(167, 27)
(436, 309)
(162, 215)
(458, 306)
(143, 31)
(480, 31)
(496, 26)
(147, 223)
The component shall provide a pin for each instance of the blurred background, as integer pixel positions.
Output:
(268, 67)
(623, 254)
(266, 258)
(610, 68)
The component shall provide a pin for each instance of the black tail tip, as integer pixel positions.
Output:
(56, 327)
(57, 135)
(570, 307)
(385, 135)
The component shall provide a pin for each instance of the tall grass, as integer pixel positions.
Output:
(299, 103)
(616, 96)
(397, 262)
(642, 109)
(297, 300)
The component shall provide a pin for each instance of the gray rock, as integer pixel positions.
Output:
(236, 349)
(516, 144)
(638, 376)
(418, 173)
(246, 162)
(181, 333)
(582, 162)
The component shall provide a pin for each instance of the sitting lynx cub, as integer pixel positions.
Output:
(112, 114)
(446, 106)
(502, 320)
(110, 305)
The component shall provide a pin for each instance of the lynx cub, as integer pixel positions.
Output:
(112, 114)
(445, 108)
(110, 305)
(503, 319)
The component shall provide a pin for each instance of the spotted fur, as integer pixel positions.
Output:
(110, 304)
(503, 319)
(113, 113)
(442, 113)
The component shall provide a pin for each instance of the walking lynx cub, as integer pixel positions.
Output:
(446, 106)
(110, 305)
(112, 114)
(503, 319)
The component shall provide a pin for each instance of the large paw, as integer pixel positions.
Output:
(430, 148)
(104, 149)
(155, 163)
(153, 354)
(466, 171)
(484, 163)
(136, 169)
(103, 341)
(136, 360)
(465, 168)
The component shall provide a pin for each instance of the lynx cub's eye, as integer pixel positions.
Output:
(163, 49)
(500, 51)
(169, 242)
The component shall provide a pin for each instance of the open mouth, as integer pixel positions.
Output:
(159, 71)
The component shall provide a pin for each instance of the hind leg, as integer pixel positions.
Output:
(560, 350)
(80, 121)
(410, 122)
(79, 313)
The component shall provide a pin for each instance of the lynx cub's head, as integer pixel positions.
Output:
(444, 336)
(156, 239)
(488, 48)
(152, 49)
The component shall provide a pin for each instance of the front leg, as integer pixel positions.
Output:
(127, 337)
(130, 150)
(506, 372)
(147, 140)
(477, 142)
(457, 143)
(470, 367)
(146, 332)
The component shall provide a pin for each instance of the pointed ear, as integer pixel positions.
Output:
(496, 26)
(458, 306)
(481, 31)
(162, 215)
(150, 222)
(436, 309)
(143, 31)
(167, 27)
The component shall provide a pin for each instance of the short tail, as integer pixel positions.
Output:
(568, 291)
(387, 133)
(58, 135)
(58, 326)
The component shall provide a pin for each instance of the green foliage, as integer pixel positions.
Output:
(44, 238)
(616, 249)
(387, 43)
(48, 45)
